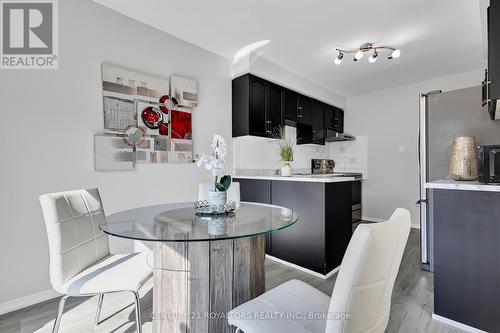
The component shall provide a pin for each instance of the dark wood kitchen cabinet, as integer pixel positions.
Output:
(297, 107)
(260, 107)
(318, 122)
(314, 132)
(256, 190)
(290, 105)
(304, 109)
(334, 118)
(466, 237)
(320, 237)
(257, 106)
(491, 84)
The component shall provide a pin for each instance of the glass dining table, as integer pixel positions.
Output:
(203, 265)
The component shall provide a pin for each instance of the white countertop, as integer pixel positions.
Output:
(450, 184)
(300, 178)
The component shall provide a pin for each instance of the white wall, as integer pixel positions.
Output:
(389, 119)
(49, 119)
(268, 70)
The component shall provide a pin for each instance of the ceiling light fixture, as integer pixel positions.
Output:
(338, 60)
(358, 55)
(359, 52)
(374, 56)
(394, 54)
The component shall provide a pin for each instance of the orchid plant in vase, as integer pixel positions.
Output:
(216, 164)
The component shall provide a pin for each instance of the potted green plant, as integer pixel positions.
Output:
(216, 164)
(286, 151)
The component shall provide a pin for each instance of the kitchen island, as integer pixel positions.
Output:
(466, 237)
(326, 205)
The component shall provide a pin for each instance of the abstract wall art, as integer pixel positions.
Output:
(185, 91)
(144, 122)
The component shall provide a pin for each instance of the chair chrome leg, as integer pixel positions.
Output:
(138, 320)
(98, 311)
(60, 311)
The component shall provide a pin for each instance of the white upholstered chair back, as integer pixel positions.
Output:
(75, 240)
(366, 278)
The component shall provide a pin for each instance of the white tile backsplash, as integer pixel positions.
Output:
(261, 153)
(351, 156)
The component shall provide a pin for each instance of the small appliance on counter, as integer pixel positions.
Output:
(489, 164)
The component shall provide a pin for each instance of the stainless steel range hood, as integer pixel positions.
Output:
(334, 136)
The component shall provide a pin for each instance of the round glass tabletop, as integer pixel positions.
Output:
(178, 223)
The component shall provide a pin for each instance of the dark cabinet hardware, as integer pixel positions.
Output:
(486, 89)
(300, 112)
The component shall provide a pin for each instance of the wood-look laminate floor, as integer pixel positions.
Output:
(412, 303)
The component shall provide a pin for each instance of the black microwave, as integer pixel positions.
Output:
(489, 164)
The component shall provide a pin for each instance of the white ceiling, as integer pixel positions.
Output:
(436, 37)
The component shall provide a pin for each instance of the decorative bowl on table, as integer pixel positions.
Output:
(204, 208)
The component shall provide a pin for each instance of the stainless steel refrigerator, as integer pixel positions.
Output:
(443, 116)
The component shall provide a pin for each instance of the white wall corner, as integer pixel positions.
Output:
(25, 301)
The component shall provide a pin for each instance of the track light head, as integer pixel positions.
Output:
(358, 55)
(373, 57)
(394, 54)
(338, 60)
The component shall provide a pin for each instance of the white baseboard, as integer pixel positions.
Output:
(372, 219)
(297, 267)
(456, 324)
(29, 300)
(376, 219)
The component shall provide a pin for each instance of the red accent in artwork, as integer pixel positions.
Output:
(181, 125)
(163, 109)
(163, 98)
(151, 117)
(163, 128)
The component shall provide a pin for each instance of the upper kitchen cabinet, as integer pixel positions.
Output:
(318, 122)
(297, 107)
(257, 106)
(334, 118)
(260, 107)
(290, 105)
(491, 86)
(313, 132)
(304, 105)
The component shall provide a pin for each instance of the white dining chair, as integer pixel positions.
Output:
(80, 261)
(233, 193)
(361, 298)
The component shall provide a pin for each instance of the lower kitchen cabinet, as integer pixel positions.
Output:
(319, 239)
(256, 190)
(466, 241)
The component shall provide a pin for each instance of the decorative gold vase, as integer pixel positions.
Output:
(463, 158)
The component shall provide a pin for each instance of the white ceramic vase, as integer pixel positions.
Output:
(216, 198)
(286, 169)
(217, 227)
